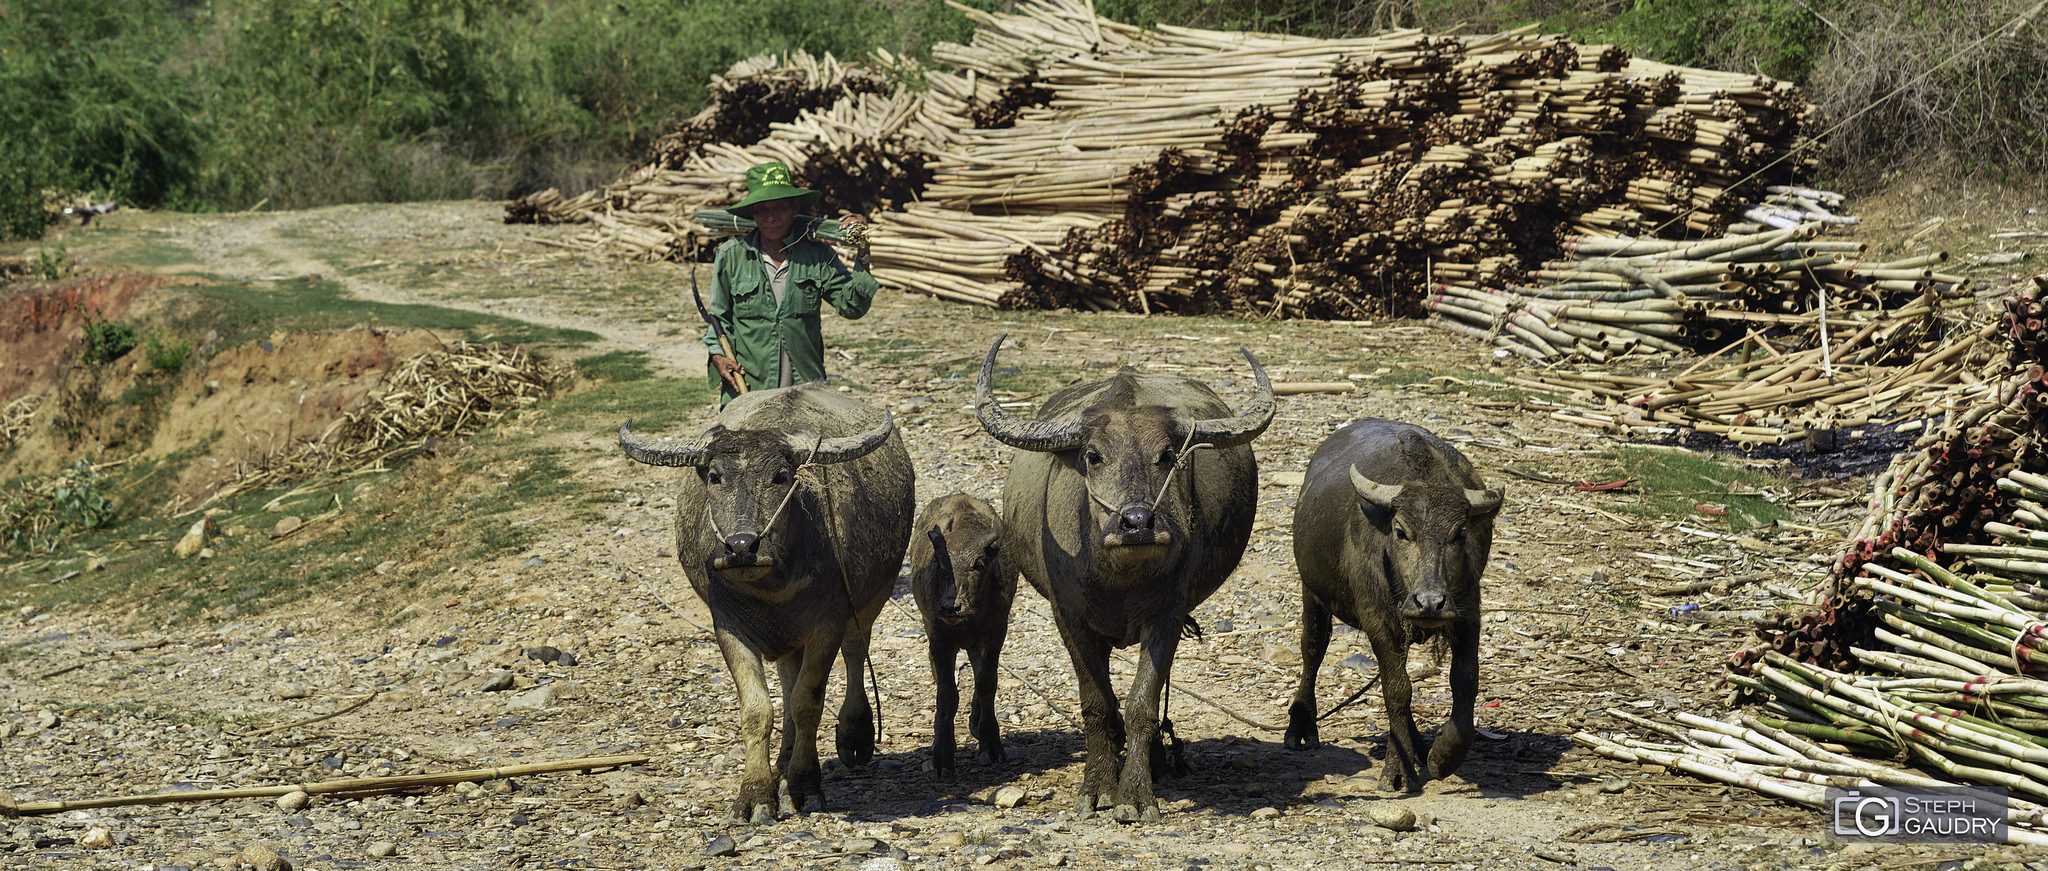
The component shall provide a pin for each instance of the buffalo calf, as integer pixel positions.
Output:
(964, 589)
(1390, 536)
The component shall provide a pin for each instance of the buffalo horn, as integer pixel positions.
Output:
(1380, 495)
(1030, 435)
(1482, 502)
(663, 453)
(843, 448)
(1229, 432)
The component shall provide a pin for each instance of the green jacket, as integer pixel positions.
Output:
(760, 330)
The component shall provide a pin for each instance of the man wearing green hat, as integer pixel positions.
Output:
(766, 286)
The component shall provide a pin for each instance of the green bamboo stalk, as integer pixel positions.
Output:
(829, 229)
(1954, 582)
(1983, 643)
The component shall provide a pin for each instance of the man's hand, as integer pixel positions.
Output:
(731, 371)
(860, 251)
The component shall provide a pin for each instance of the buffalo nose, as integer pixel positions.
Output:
(1136, 518)
(1427, 603)
(742, 542)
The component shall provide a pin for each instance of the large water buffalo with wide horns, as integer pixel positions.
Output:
(792, 531)
(1129, 501)
(1391, 534)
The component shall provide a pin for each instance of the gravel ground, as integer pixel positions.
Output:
(590, 644)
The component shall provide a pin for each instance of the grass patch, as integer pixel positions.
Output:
(655, 405)
(246, 312)
(1675, 484)
(616, 366)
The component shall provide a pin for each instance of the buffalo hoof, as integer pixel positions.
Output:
(1301, 739)
(1393, 780)
(1126, 813)
(991, 751)
(758, 815)
(1085, 808)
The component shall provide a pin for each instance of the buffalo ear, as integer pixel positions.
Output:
(1483, 503)
(938, 538)
(1381, 518)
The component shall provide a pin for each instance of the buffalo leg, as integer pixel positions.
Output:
(1135, 800)
(947, 701)
(981, 713)
(803, 693)
(1457, 734)
(1315, 642)
(756, 801)
(1403, 768)
(1101, 726)
(855, 735)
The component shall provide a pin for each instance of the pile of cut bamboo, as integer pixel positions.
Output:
(1615, 296)
(850, 136)
(438, 394)
(1248, 173)
(1930, 640)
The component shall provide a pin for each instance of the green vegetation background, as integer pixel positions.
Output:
(227, 104)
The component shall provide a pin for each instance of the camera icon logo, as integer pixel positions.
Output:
(1871, 816)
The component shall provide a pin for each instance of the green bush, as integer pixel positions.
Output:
(166, 354)
(104, 341)
(87, 106)
(37, 516)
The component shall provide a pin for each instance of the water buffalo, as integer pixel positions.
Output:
(1390, 536)
(792, 531)
(1128, 502)
(964, 590)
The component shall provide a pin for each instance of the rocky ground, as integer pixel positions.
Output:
(590, 645)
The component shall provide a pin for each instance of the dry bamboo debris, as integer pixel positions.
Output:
(17, 417)
(1762, 755)
(1617, 295)
(10, 807)
(437, 394)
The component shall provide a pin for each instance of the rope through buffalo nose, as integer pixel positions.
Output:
(1180, 458)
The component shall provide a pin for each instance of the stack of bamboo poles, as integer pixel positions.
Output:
(962, 256)
(1614, 296)
(757, 93)
(1252, 173)
(1930, 640)
(647, 215)
(438, 394)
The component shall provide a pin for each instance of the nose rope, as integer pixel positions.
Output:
(793, 483)
(1180, 458)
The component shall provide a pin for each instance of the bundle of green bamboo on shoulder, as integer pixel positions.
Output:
(723, 224)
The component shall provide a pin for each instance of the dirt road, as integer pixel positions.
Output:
(1575, 626)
